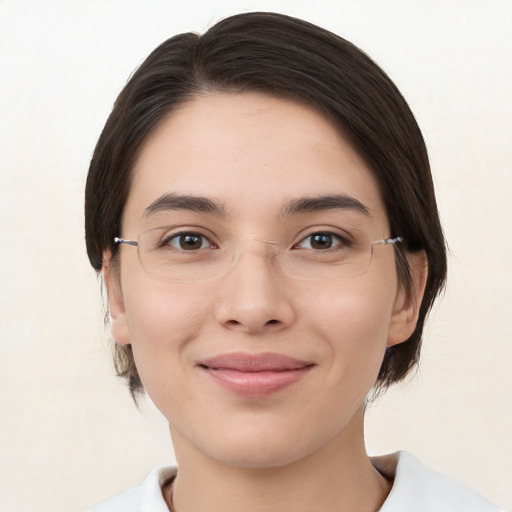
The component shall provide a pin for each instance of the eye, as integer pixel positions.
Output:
(188, 241)
(323, 240)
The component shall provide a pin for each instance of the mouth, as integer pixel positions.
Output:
(254, 375)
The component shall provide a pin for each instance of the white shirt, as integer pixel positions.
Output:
(415, 489)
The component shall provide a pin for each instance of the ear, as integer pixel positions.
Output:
(118, 322)
(407, 304)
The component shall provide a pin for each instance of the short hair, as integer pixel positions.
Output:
(290, 58)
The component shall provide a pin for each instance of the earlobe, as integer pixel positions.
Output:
(407, 304)
(118, 321)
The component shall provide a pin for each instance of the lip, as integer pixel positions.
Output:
(254, 375)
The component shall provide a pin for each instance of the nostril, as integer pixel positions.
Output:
(273, 321)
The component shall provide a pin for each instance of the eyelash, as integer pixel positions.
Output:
(341, 241)
(176, 236)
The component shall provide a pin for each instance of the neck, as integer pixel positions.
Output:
(337, 477)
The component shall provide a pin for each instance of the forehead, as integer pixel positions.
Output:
(250, 152)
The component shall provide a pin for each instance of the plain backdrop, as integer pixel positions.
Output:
(70, 435)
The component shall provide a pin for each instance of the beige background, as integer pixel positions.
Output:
(70, 435)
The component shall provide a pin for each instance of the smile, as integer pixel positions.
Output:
(255, 375)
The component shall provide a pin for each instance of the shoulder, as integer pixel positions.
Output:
(420, 489)
(148, 496)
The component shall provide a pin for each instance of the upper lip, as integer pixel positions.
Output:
(244, 362)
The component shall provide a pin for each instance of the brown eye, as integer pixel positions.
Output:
(189, 241)
(320, 241)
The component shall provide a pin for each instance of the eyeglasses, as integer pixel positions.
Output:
(176, 254)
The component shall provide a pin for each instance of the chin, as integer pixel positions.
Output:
(269, 446)
(262, 456)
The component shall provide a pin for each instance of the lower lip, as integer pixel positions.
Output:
(255, 384)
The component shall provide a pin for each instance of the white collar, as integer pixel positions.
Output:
(415, 488)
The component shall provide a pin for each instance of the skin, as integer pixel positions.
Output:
(300, 448)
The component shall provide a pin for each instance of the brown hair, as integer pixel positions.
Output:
(283, 56)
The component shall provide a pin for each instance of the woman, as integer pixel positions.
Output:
(261, 208)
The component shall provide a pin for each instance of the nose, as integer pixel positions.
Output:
(253, 298)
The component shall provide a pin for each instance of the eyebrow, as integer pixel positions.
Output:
(329, 202)
(173, 201)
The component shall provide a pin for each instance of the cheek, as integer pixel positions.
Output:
(159, 312)
(351, 311)
(353, 323)
(163, 318)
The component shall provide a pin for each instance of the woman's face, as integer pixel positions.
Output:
(255, 368)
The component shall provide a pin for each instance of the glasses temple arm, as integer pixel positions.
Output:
(118, 240)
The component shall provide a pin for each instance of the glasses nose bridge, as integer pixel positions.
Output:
(250, 245)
